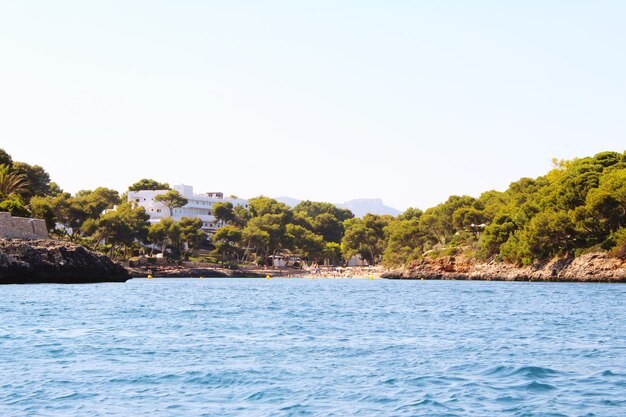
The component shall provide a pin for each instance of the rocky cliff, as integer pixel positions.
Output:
(50, 261)
(592, 267)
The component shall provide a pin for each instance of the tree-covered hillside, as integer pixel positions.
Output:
(578, 206)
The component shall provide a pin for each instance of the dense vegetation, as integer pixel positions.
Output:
(579, 206)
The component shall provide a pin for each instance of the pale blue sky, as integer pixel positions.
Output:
(410, 101)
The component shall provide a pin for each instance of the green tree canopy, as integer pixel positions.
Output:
(5, 158)
(406, 242)
(260, 206)
(366, 237)
(242, 216)
(120, 228)
(411, 214)
(323, 219)
(166, 233)
(191, 233)
(41, 208)
(227, 241)
(313, 209)
(305, 243)
(172, 200)
(12, 182)
(148, 184)
(38, 179)
(15, 205)
(224, 212)
(267, 233)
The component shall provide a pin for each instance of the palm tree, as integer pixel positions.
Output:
(11, 182)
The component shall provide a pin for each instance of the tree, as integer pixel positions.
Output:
(242, 216)
(406, 242)
(332, 253)
(607, 203)
(96, 201)
(71, 214)
(15, 205)
(176, 234)
(496, 233)
(366, 237)
(260, 206)
(11, 182)
(166, 232)
(109, 228)
(171, 199)
(256, 237)
(38, 179)
(54, 189)
(313, 209)
(5, 158)
(41, 208)
(438, 220)
(618, 240)
(267, 234)
(265, 230)
(411, 214)
(304, 242)
(324, 219)
(156, 235)
(224, 212)
(72, 211)
(227, 241)
(548, 234)
(465, 218)
(120, 228)
(148, 184)
(328, 226)
(191, 233)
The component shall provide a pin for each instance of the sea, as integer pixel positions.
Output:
(313, 347)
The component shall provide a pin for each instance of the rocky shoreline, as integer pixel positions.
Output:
(52, 261)
(182, 271)
(591, 267)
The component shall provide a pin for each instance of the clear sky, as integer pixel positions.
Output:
(409, 101)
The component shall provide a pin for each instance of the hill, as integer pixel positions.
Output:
(360, 207)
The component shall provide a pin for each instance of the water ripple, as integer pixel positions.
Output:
(224, 347)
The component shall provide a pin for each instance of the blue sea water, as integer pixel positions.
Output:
(324, 347)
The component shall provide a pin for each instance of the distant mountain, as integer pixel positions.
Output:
(291, 202)
(363, 206)
(359, 207)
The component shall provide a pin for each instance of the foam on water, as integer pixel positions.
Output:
(223, 347)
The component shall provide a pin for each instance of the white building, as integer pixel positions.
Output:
(199, 205)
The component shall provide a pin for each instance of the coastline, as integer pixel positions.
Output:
(591, 267)
(210, 271)
(42, 261)
(53, 261)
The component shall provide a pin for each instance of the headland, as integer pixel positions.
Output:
(38, 261)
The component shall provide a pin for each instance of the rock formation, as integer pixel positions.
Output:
(591, 267)
(50, 261)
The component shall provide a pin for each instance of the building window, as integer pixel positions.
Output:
(158, 210)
